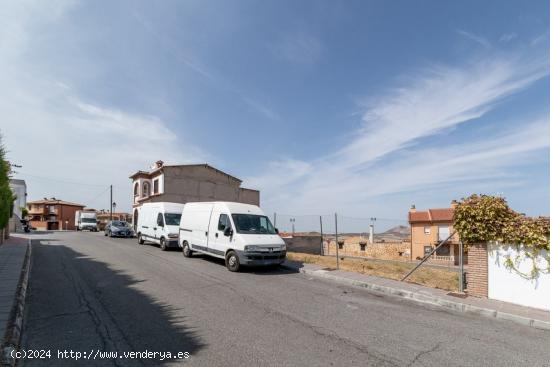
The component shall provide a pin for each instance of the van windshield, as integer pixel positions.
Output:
(88, 220)
(172, 219)
(253, 224)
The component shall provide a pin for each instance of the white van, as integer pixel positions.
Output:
(159, 223)
(239, 233)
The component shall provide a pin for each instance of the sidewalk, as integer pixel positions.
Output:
(14, 267)
(436, 297)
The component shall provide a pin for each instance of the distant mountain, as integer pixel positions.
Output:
(398, 231)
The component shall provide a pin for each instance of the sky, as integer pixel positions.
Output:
(360, 108)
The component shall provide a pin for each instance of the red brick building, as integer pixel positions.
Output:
(52, 214)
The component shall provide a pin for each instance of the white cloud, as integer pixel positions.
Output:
(474, 37)
(385, 156)
(60, 138)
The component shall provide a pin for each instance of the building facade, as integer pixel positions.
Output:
(428, 229)
(104, 216)
(53, 214)
(187, 183)
(19, 188)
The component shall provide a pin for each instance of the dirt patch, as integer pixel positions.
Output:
(435, 278)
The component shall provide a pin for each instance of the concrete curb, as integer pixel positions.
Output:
(427, 299)
(12, 337)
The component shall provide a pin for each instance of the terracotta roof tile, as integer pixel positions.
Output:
(432, 215)
(442, 214)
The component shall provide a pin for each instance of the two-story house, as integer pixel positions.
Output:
(428, 229)
(187, 183)
(52, 214)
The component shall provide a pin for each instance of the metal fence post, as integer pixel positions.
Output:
(337, 244)
(322, 240)
(461, 267)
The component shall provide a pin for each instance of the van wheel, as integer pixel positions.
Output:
(186, 250)
(163, 244)
(232, 261)
(140, 239)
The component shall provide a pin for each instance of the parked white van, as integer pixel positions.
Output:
(159, 223)
(239, 233)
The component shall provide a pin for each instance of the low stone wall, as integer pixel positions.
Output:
(377, 250)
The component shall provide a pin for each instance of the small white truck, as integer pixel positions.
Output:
(159, 223)
(241, 234)
(85, 221)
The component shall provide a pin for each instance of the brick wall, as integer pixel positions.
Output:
(477, 270)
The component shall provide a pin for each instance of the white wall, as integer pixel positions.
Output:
(507, 285)
(20, 190)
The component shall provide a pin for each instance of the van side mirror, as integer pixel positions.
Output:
(277, 230)
(228, 232)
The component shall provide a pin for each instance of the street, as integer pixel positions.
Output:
(89, 292)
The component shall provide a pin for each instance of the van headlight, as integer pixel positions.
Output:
(283, 247)
(250, 248)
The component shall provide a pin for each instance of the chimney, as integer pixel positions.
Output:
(159, 163)
(371, 233)
(454, 203)
(413, 209)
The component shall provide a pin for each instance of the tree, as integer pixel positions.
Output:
(6, 195)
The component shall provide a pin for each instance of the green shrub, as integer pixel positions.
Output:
(6, 195)
(484, 218)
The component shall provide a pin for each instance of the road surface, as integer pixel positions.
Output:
(91, 293)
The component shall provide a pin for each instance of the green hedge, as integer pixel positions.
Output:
(6, 195)
(484, 218)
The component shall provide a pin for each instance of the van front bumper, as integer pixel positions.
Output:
(261, 258)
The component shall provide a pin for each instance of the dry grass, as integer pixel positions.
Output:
(430, 277)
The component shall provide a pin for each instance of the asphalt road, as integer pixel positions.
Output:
(89, 292)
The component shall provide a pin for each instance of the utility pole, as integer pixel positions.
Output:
(292, 220)
(275, 219)
(111, 204)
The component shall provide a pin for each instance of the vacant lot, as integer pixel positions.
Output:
(435, 278)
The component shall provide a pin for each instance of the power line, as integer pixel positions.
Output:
(97, 196)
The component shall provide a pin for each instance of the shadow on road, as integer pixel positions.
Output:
(257, 270)
(80, 304)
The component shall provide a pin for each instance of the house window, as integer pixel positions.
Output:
(427, 250)
(146, 189)
(155, 186)
(363, 246)
(427, 230)
(136, 189)
(341, 245)
(443, 232)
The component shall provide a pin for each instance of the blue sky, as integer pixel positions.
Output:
(358, 107)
